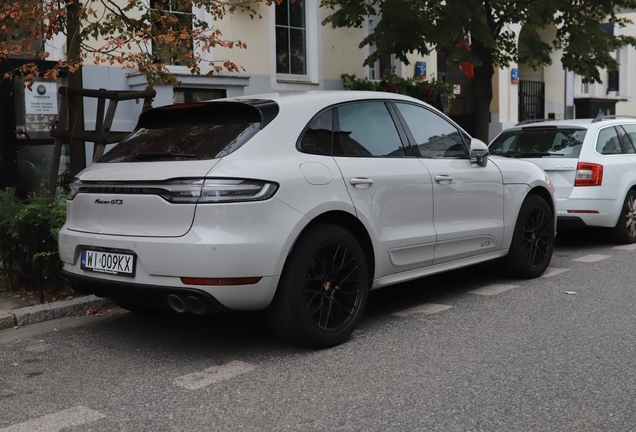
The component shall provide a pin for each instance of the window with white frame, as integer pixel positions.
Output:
(585, 88)
(291, 38)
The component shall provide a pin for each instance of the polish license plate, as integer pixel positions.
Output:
(108, 262)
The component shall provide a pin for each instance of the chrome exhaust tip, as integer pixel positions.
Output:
(195, 305)
(176, 303)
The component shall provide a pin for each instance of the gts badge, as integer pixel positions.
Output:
(115, 201)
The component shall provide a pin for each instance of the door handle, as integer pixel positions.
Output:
(361, 182)
(443, 178)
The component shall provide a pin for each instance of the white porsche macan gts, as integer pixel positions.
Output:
(297, 205)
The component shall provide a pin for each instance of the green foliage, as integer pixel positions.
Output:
(28, 232)
(434, 92)
(423, 25)
(17, 218)
(486, 26)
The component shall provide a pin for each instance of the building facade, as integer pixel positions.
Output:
(521, 93)
(288, 50)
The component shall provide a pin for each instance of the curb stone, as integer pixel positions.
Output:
(51, 311)
(6, 320)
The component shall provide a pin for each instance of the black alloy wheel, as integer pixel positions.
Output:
(333, 292)
(323, 289)
(537, 240)
(532, 240)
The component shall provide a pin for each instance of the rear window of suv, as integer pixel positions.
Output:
(539, 142)
(188, 132)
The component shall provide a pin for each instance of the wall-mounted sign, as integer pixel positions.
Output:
(40, 106)
(457, 89)
(514, 75)
(420, 70)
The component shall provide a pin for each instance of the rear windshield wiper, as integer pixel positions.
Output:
(151, 156)
(535, 154)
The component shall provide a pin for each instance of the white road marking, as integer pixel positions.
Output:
(426, 308)
(553, 271)
(197, 380)
(628, 247)
(493, 289)
(58, 421)
(591, 258)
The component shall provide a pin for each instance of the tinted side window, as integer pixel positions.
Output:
(630, 137)
(434, 135)
(319, 135)
(367, 129)
(608, 142)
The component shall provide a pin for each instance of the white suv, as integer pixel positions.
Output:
(592, 164)
(298, 205)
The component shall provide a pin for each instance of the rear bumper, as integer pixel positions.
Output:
(237, 241)
(151, 295)
(589, 212)
(214, 298)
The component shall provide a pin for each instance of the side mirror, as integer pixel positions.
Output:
(479, 152)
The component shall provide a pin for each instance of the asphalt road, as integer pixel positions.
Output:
(466, 350)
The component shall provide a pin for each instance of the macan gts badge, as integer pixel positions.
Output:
(297, 206)
(114, 201)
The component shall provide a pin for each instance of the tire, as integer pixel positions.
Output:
(532, 240)
(323, 288)
(625, 229)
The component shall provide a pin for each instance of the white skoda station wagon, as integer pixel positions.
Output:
(299, 206)
(592, 164)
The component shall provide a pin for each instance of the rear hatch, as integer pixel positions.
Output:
(555, 149)
(149, 183)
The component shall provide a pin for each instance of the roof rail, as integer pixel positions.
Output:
(606, 117)
(532, 121)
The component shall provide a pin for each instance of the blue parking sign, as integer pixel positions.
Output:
(514, 76)
(420, 70)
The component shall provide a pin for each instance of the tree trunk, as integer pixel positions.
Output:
(77, 151)
(482, 91)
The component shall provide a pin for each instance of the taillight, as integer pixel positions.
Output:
(588, 174)
(186, 191)
(206, 191)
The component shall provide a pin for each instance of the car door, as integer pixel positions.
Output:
(467, 198)
(390, 189)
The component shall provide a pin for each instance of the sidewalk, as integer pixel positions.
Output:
(15, 312)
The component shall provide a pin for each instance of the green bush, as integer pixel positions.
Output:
(434, 92)
(28, 234)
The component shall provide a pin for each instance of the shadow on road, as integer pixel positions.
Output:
(246, 334)
(582, 238)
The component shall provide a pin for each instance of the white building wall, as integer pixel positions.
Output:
(554, 78)
(505, 108)
(627, 72)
